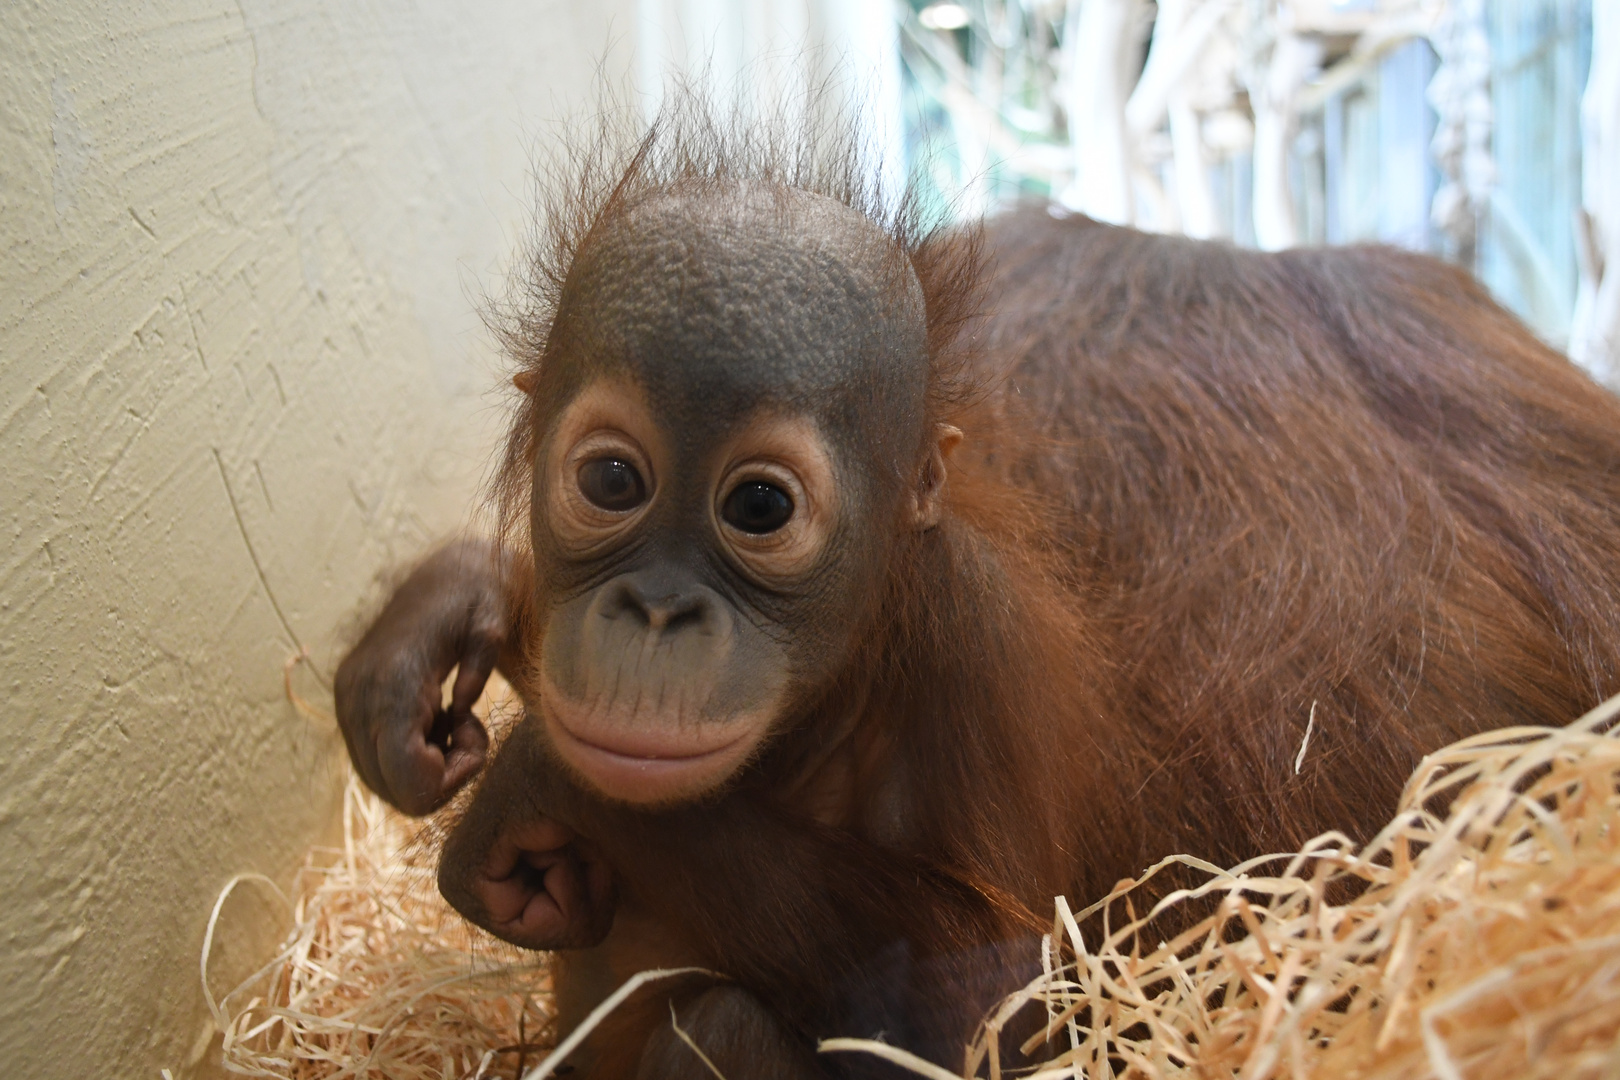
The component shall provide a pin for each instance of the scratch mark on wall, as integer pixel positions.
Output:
(253, 42)
(247, 542)
(191, 320)
(281, 391)
(26, 403)
(145, 228)
(17, 608)
(264, 487)
(246, 388)
(115, 683)
(26, 561)
(101, 478)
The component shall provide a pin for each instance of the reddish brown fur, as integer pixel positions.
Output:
(1202, 492)
(1335, 477)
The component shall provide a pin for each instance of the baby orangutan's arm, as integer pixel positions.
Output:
(450, 613)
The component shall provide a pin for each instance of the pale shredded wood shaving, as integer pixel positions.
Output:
(378, 978)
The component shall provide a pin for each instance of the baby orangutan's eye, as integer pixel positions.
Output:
(756, 507)
(612, 484)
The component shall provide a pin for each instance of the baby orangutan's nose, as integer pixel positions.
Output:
(657, 606)
(653, 653)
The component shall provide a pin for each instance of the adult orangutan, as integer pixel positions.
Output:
(867, 587)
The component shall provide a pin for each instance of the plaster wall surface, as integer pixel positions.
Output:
(240, 374)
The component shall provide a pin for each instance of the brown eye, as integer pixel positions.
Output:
(757, 507)
(612, 484)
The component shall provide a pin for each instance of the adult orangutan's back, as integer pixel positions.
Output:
(1342, 482)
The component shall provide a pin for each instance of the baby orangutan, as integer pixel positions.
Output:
(869, 588)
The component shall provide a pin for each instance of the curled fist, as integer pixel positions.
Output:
(406, 745)
(538, 885)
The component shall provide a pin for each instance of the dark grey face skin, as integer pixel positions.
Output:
(711, 339)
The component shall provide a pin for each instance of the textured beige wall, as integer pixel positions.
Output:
(240, 372)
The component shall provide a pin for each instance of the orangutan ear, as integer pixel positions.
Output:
(928, 498)
(524, 381)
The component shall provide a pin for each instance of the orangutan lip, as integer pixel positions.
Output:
(645, 752)
(647, 759)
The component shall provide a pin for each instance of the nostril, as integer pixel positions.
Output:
(677, 613)
(668, 611)
(626, 601)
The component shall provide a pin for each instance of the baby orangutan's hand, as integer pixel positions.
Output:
(448, 614)
(540, 886)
